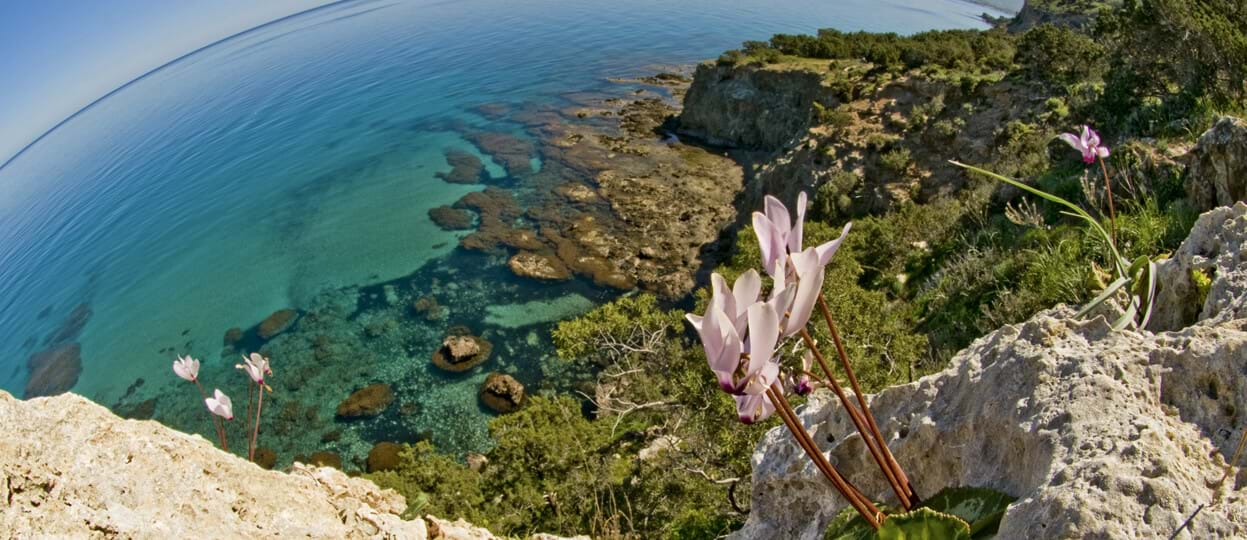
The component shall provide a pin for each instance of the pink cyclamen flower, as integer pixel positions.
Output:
(1088, 143)
(186, 368)
(220, 404)
(779, 234)
(725, 336)
(256, 367)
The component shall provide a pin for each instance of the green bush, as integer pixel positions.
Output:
(1060, 55)
(896, 161)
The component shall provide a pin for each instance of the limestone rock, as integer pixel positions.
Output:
(502, 393)
(232, 336)
(1217, 248)
(75, 470)
(370, 400)
(461, 351)
(1217, 173)
(1098, 433)
(466, 168)
(53, 371)
(277, 323)
(541, 266)
(749, 106)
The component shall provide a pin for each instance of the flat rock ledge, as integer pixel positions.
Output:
(72, 469)
(1099, 434)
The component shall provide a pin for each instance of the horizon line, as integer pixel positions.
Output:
(156, 69)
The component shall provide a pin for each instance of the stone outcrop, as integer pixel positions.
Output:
(461, 351)
(1098, 433)
(370, 400)
(502, 393)
(1216, 248)
(451, 219)
(543, 266)
(466, 168)
(749, 107)
(1217, 170)
(74, 470)
(384, 456)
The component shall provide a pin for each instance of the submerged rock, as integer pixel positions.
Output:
(461, 351)
(466, 168)
(278, 322)
(427, 307)
(322, 458)
(71, 326)
(451, 219)
(232, 337)
(502, 393)
(513, 153)
(370, 400)
(53, 371)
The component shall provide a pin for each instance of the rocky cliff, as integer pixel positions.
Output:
(74, 470)
(1098, 433)
(760, 108)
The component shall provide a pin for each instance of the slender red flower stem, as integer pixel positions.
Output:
(1108, 190)
(859, 422)
(897, 471)
(860, 503)
(216, 420)
(255, 432)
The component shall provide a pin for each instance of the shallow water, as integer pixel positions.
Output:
(293, 166)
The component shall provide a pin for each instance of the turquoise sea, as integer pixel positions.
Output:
(293, 166)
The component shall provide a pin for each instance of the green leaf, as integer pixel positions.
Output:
(850, 525)
(1150, 299)
(1077, 211)
(1104, 295)
(982, 508)
(924, 524)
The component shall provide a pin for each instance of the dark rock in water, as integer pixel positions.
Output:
(427, 307)
(54, 371)
(513, 153)
(465, 168)
(43, 314)
(70, 327)
(278, 322)
(232, 337)
(321, 459)
(502, 393)
(543, 266)
(461, 351)
(331, 436)
(379, 328)
(498, 210)
(370, 400)
(143, 410)
(265, 457)
(451, 219)
(383, 457)
(493, 111)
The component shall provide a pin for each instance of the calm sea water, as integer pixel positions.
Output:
(299, 157)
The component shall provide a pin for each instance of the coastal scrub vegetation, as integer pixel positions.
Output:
(641, 448)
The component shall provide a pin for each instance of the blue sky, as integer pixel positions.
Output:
(56, 56)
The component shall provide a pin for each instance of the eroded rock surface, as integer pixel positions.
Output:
(74, 470)
(1099, 433)
(1217, 174)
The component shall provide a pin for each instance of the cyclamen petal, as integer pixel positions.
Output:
(827, 250)
(753, 408)
(810, 286)
(186, 368)
(770, 240)
(778, 214)
(798, 227)
(220, 404)
(763, 334)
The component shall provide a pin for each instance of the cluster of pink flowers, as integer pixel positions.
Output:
(742, 332)
(219, 404)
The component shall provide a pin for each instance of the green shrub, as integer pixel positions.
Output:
(1060, 55)
(896, 161)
